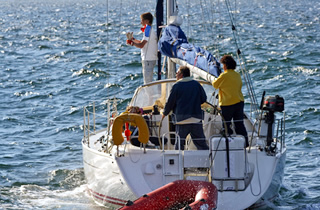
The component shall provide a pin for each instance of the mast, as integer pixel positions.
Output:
(171, 11)
(159, 18)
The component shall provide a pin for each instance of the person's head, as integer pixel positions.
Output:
(146, 18)
(135, 109)
(228, 62)
(183, 71)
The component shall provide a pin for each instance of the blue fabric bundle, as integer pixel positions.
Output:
(173, 43)
(171, 38)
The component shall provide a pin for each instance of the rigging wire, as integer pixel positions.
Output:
(215, 29)
(120, 21)
(188, 18)
(204, 23)
(242, 62)
(107, 38)
(206, 11)
(234, 30)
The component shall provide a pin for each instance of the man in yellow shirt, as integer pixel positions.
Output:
(231, 100)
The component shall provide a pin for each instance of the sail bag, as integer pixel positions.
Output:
(173, 43)
(171, 38)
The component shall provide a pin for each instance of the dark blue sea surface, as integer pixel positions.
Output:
(57, 56)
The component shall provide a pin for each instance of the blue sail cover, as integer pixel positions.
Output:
(171, 38)
(173, 43)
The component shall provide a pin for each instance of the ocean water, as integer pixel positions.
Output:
(57, 56)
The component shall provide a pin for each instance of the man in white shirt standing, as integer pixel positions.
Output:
(148, 46)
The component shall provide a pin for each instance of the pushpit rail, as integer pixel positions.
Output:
(86, 123)
(91, 119)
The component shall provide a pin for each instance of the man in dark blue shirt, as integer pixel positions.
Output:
(185, 101)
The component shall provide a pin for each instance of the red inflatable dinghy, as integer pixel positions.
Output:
(196, 194)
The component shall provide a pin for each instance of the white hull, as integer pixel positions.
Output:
(104, 181)
(118, 171)
(116, 174)
(114, 180)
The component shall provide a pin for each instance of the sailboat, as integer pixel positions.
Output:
(133, 163)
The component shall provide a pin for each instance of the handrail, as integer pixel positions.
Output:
(280, 133)
(86, 125)
(90, 129)
(177, 140)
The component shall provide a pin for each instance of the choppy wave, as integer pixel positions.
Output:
(59, 56)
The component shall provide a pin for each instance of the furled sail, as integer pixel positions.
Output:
(173, 43)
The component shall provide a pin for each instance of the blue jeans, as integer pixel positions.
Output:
(196, 132)
(235, 112)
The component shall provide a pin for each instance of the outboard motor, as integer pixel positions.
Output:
(271, 104)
